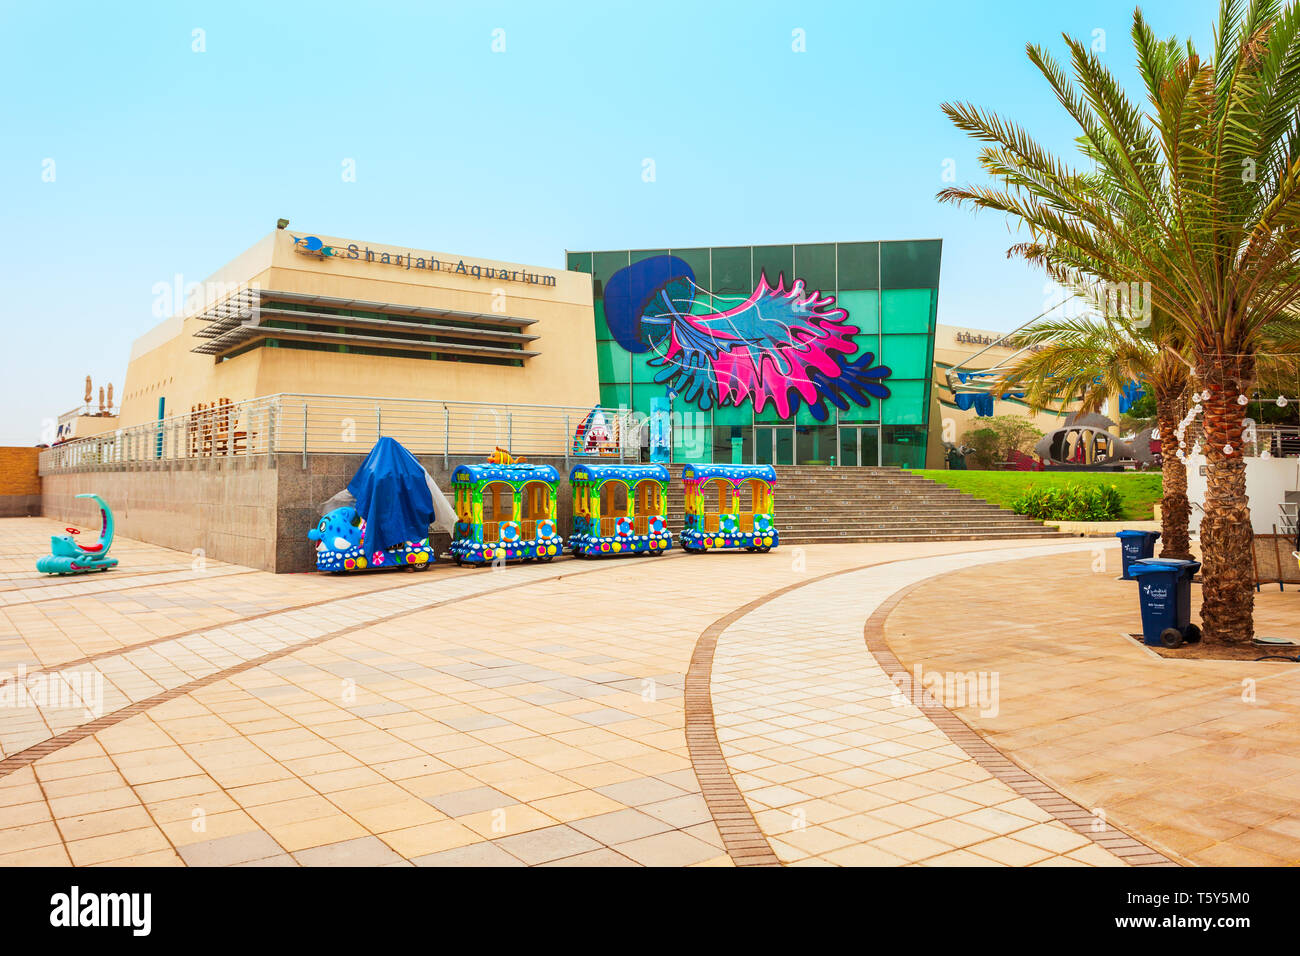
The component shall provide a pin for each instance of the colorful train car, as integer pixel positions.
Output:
(619, 510)
(506, 513)
(729, 507)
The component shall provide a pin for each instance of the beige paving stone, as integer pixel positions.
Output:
(418, 841)
(672, 848)
(1009, 851)
(801, 708)
(581, 804)
(111, 847)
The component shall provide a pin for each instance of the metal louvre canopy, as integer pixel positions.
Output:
(247, 333)
(237, 319)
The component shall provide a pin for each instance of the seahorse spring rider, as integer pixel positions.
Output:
(382, 519)
(68, 557)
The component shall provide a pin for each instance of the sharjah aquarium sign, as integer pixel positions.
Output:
(313, 246)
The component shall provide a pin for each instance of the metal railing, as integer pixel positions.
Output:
(1290, 515)
(1280, 441)
(343, 424)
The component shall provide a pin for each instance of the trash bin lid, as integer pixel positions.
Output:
(1131, 533)
(1163, 564)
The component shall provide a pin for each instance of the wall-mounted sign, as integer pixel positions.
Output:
(316, 248)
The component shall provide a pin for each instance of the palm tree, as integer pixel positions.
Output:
(1088, 359)
(1197, 204)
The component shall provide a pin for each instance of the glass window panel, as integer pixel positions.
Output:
(602, 327)
(733, 415)
(859, 446)
(910, 265)
(815, 264)
(906, 402)
(864, 311)
(770, 414)
(907, 310)
(870, 444)
(643, 373)
(731, 271)
(692, 443)
(605, 264)
(639, 254)
(774, 262)
(903, 447)
(698, 260)
(908, 356)
(729, 445)
(614, 396)
(848, 446)
(579, 262)
(816, 444)
(857, 413)
(859, 265)
(611, 362)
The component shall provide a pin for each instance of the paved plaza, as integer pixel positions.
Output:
(712, 710)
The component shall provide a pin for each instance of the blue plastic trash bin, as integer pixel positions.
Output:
(1134, 546)
(1165, 593)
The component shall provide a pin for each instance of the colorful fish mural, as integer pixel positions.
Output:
(781, 346)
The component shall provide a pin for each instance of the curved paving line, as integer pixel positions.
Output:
(49, 581)
(741, 835)
(744, 840)
(203, 629)
(1017, 777)
(112, 590)
(23, 758)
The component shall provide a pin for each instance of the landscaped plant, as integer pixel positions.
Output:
(1088, 360)
(1194, 203)
(1071, 503)
(992, 440)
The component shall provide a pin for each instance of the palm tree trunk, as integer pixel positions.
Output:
(1228, 592)
(1175, 508)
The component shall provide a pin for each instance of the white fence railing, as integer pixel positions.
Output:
(1279, 441)
(305, 424)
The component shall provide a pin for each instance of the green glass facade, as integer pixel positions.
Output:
(890, 291)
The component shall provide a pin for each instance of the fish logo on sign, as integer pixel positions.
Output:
(312, 246)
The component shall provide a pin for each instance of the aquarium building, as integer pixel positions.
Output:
(837, 373)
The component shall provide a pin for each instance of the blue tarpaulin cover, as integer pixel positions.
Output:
(392, 496)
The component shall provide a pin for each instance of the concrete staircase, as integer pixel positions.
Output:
(820, 505)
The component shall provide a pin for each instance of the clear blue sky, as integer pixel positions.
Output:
(170, 161)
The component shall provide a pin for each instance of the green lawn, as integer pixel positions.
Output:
(1139, 490)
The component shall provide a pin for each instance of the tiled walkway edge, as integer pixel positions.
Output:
(1132, 851)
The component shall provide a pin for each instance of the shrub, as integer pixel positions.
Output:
(992, 440)
(1070, 503)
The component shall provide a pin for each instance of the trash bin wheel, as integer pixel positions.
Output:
(1171, 637)
(1193, 635)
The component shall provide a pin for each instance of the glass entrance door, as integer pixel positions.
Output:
(860, 445)
(774, 444)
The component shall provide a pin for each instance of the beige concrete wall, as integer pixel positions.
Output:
(563, 374)
(255, 510)
(224, 506)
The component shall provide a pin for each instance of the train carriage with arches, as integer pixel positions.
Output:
(505, 512)
(729, 507)
(619, 510)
